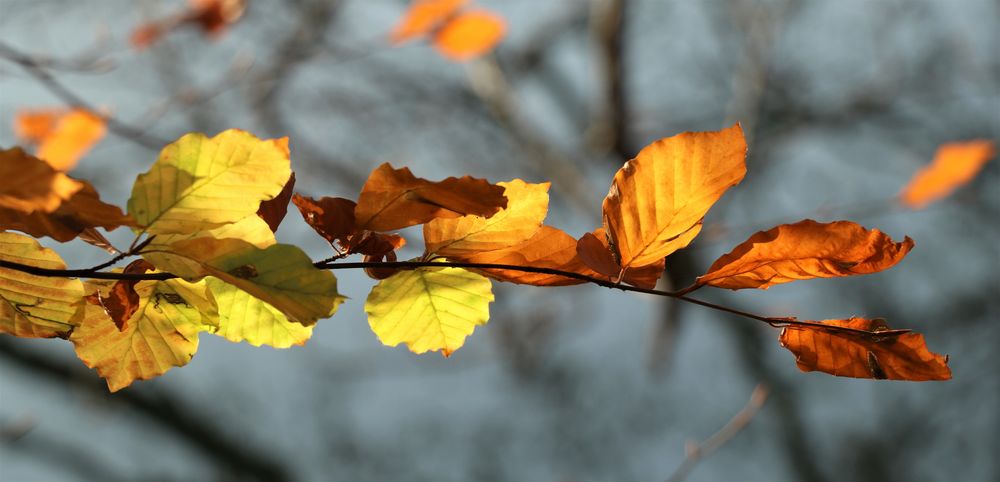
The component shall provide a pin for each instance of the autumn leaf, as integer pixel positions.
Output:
(28, 184)
(548, 248)
(200, 183)
(243, 317)
(82, 211)
(280, 275)
(595, 253)
(469, 35)
(63, 135)
(429, 309)
(35, 306)
(273, 210)
(161, 334)
(954, 165)
(805, 250)
(213, 17)
(527, 205)
(122, 301)
(395, 198)
(423, 17)
(331, 217)
(657, 200)
(251, 229)
(871, 351)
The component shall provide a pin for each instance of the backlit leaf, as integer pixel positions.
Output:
(547, 248)
(83, 210)
(200, 183)
(429, 309)
(251, 229)
(243, 317)
(395, 198)
(527, 205)
(331, 217)
(35, 306)
(876, 352)
(595, 252)
(805, 250)
(422, 17)
(122, 301)
(28, 184)
(954, 165)
(657, 200)
(273, 210)
(74, 133)
(469, 35)
(161, 334)
(281, 275)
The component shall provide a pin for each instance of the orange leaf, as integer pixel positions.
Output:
(331, 217)
(122, 301)
(872, 352)
(547, 248)
(81, 211)
(954, 165)
(28, 184)
(422, 17)
(273, 211)
(395, 198)
(63, 136)
(657, 200)
(594, 251)
(805, 250)
(469, 35)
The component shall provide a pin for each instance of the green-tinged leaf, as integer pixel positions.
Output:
(429, 309)
(243, 317)
(160, 335)
(281, 275)
(35, 306)
(200, 183)
(251, 229)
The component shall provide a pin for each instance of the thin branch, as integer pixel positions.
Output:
(776, 322)
(739, 421)
(36, 70)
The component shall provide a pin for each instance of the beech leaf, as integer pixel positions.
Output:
(955, 164)
(595, 252)
(29, 184)
(82, 211)
(429, 309)
(805, 250)
(657, 200)
(273, 211)
(469, 35)
(548, 248)
(35, 306)
(243, 317)
(874, 352)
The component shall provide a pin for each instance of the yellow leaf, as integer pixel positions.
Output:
(28, 184)
(160, 335)
(657, 200)
(243, 317)
(805, 250)
(251, 229)
(35, 306)
(429, 309)
(954, 165)
(527, 205)
(201, 183)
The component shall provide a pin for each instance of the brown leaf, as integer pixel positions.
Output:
(83, 210)
(954, 165)
(873, 351)
(213, 17)
(548, 248)
(381, 273)
(331, 217)
(273, 211)
(595, 252)
(805, 250)
(395, 198)
(657, 200)
(370, 243)
(122, 301)
(29, 184)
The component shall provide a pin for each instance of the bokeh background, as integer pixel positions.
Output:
(841, 101)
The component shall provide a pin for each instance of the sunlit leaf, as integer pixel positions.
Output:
(429, 309)
(547, 248)
(200, 183)
(805, 250)
(527, 205)
(874, 351)
(83, 210)
(28, 184)
(657, 200)
(954, 165)
(35, 306)
(243, 317)
(395, 198)
(469, 35)
(161, 334)
(422, 17)
(595, 252)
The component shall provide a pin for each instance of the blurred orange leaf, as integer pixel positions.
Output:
(28, 184)
(63, 136)
(657, 200)
(395, 199)
(422, 17)
(954, 165)
(458, 35)
(805, 250)
(872, 350)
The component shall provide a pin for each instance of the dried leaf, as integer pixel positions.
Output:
(527, 205)
(657, 200)
(395, 198)
(469, 35)
(331, 217)
(83, 210)
(28, 184)
(954, 165)
(122, 300)
(423, 17)
(875, 352)
(805, 250)
(273, 210)
(35, 306)
(547, 248)
(595, 252)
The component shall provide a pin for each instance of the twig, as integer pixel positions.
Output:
(696, 452)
